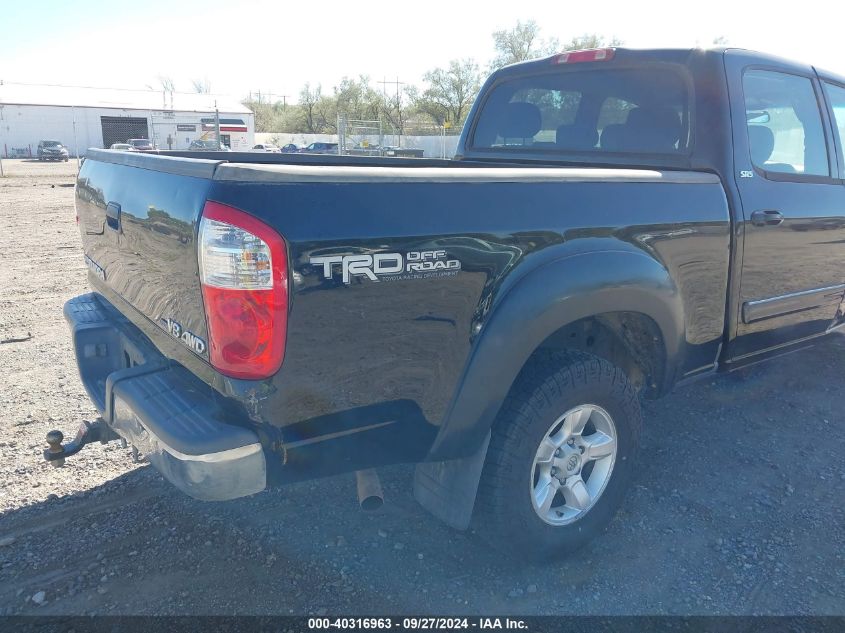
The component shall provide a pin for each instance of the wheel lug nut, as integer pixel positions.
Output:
(554, 470)
(581, 448)
(557, 453)
(570, 442)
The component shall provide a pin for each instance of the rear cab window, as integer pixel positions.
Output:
(636, 110)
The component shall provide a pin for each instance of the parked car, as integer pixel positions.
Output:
(126, 147)
(141, 145)
(52, 150)
(204, 145)
(319, 147)
(290, 148)
(494, 319)
(265, 147)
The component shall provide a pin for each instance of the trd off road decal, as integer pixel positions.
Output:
(389, 266)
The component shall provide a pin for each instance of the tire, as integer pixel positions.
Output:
(549, 399)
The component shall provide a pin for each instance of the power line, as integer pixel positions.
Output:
(156, 90)
(270, 95)
(384, 88)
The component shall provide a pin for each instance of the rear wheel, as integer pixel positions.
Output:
(560, 457)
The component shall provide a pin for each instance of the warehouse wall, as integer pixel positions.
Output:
(22, 126)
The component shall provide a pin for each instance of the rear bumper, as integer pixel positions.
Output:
(175, 419)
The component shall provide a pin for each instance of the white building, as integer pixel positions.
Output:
(97, 117)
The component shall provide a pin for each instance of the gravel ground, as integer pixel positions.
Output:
(737, 507)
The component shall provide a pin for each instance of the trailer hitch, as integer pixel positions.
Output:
(97, 431)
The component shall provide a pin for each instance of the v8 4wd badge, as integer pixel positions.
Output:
(194, 342)
(389, 266)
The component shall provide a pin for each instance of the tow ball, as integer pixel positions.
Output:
(97, 431)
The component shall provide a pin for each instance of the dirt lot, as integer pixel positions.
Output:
(737, 507)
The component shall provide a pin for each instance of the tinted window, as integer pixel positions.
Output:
(785, 132)
(837, 101)
(642, 110)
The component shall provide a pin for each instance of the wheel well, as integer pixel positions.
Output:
(629, 340)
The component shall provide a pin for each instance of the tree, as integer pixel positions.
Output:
(167, 83)
(397, 108)
(449, 92)
(590, 40)
(521, 43)
(315, 116)
(201, 86)
(720, 41)
(356, 99)
(265, 116)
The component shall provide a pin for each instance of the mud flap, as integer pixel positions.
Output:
(448, 489)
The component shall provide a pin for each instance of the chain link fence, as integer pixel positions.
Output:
(416, 139)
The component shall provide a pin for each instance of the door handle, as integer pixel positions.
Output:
(113, 215)
(768, 217)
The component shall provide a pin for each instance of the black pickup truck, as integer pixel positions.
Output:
(616, 222)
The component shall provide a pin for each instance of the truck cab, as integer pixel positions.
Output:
(770, 128)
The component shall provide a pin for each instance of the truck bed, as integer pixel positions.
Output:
(387, 354)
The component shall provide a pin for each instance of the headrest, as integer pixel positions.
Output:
(520, 120)
(762, 143)
(654, 128)
(576, 137)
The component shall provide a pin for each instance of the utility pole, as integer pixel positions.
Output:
(217, 123)
(75, 142)
(398, 103)
(1, 127)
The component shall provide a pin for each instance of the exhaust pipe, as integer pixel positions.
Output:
(370, 496)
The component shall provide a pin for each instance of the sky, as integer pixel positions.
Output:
(245, 46)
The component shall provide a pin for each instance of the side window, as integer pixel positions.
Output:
(837, 102)
(614, 111)
(785, 130)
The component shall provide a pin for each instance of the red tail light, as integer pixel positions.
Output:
(586, 55)
(244, 275)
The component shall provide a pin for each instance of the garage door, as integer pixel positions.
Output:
(117, 129)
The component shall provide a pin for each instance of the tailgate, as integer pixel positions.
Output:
(138, 216)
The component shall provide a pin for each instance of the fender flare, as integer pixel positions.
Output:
(546, 299)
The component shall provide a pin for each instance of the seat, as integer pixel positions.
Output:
(612, 137)
(761, 141)
(648, 129)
